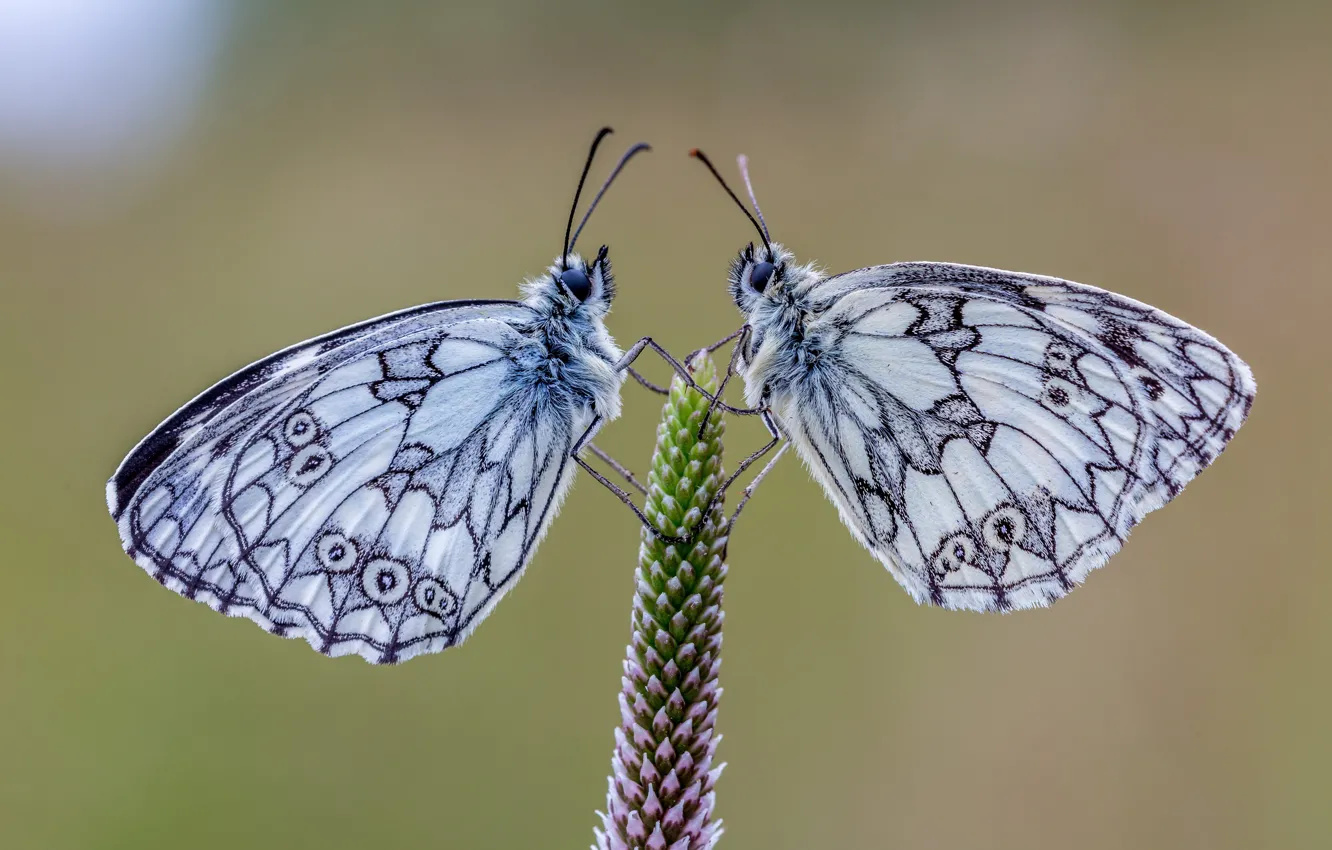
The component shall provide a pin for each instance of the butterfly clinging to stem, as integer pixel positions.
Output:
(990, 436)
(376, 490)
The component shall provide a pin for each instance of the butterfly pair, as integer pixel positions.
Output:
(990, 436)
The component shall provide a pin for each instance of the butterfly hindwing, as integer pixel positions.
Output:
(374, 491)
(993, 436)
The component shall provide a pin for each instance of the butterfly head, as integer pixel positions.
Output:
(572, 286)
(760, 274)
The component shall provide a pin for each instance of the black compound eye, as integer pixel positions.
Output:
(575, 280)
(759, 276)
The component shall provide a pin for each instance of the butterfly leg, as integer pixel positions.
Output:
(719, 343)
(753, 485)
(576, 452)
(743, 334)
(618, 467)
(766, 415)
(633, 373)
(648, 342)
(680, 369)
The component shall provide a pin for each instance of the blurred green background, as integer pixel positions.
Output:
(187, 185)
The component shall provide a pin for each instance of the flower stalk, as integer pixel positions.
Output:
(661, 793)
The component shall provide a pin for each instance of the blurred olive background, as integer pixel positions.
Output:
(187, 185)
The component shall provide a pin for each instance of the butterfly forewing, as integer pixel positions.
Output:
(297, 364)
(993, 436)
(374, 491)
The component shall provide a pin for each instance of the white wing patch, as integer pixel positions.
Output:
(992, 437)
(375, 491)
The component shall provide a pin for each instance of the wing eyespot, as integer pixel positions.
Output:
(955, 552)
(1004, 527)
(385, 581)
(309, 465)
(337, 552)
(300, 429)
(1058, 395)
(434, 598)
(1061, 357)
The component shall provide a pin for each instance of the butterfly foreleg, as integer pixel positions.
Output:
(648, 342)
(719, 343)
(620, 494)
(716, 400)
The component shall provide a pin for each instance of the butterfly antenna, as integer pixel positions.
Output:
(702, 157)
(743, 162)
(628, 155)
(591, 154)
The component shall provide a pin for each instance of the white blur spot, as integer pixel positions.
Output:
(91, 88)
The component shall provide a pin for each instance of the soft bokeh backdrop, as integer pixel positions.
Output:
(186, 186)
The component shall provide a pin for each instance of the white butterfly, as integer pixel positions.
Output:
(990, 436)
(376, 490)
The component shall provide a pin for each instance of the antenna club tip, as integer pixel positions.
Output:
(695, 153)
